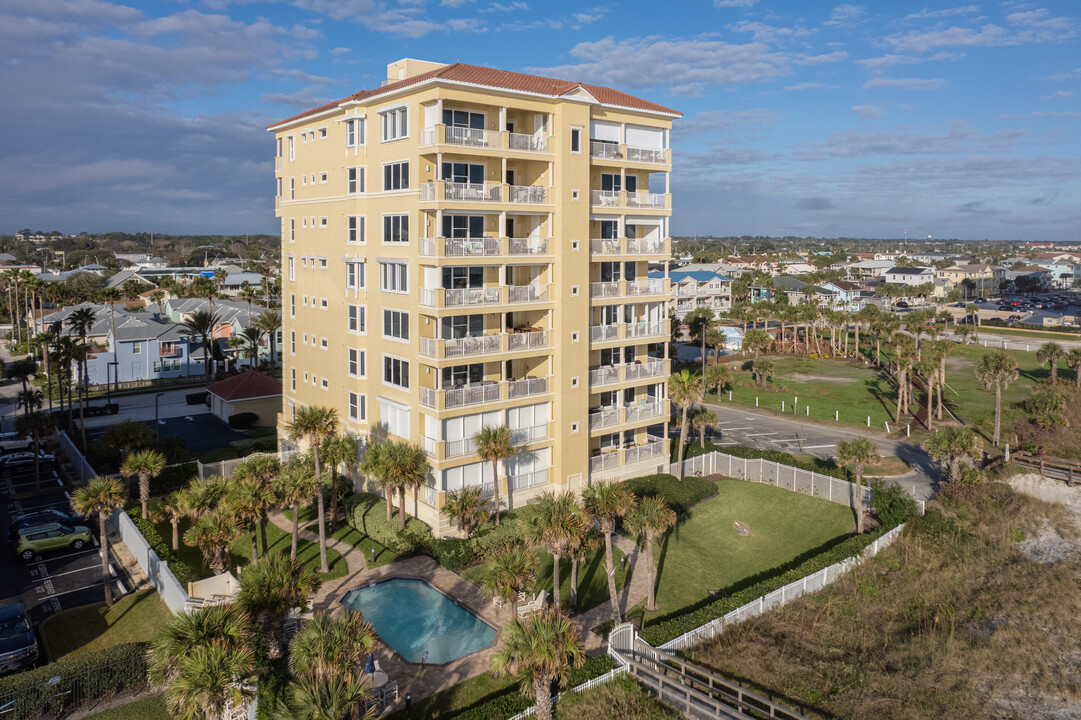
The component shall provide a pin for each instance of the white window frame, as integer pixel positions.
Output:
(354, 276)
(356, 319)
(291, 268)
(394, 123)
(355, 180)
(397, 273)
(575, 130)
(355, 229)
(354, 132)
(292, 188)
(402, 221)
(292, 230)
(292, 147)
(358, 406)
(293, 379)
(400, 318)
(323, 178)
(323, 224)
(292, 342)
(397, 366)
(356, 363)
(402, 172)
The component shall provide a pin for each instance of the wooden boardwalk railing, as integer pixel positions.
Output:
(1051, 467)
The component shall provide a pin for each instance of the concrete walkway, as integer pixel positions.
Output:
(634, 592)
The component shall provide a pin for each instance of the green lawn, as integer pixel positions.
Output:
(133, 618)
(975, 405)
(365, 544)
(151, 708)
(592, 579)
(277, 540)
(1045, 335)
(704, 552)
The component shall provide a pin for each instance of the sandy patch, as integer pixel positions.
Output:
(800, 377)
(1047, 546)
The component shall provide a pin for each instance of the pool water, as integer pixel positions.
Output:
(419, 622)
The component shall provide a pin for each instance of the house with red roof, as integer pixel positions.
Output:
(247, 392)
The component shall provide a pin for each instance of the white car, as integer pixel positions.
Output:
(11, 442)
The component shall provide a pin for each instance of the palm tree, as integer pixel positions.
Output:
(334, 698)
(405, 466)
(338, 450)
(29, 400)
(212, 532)
(493, 445)
(718, 377)
(295, 484)
(762, 368)
(173, 508)
(101, 495)
(511, 570)
(701, 321)
(247, 499)
(247, 294)
(314, 423)
(201, 326)
(998, 368)
(126, 436)
(250, 339)
(158, 297)
(467, 508)
(328, 647)
(608, 502)
(80, 353)
(270, 589)
(1051, 353)
(38, 426)
(261, 470)
(538, 650)
(904, 352)
(867, 314)
(756, 341)
(373, 466)
(942, 349)
(144, 464)
(974, 310)
(649, 521)
(583, 540)
(952, 444)
(701, 420)
(46, 339)
(685, 390)
(1073, 361)
(553, 525)
(269, 321)
(856, 454)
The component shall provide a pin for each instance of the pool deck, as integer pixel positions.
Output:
(423, 680)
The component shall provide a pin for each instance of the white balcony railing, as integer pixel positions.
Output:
(605, 150)
(527, 480)
(601, 333)
(654, 368)
(470, 137)
(604, 289)
(645, 329)
(653, 448)
(645, 200)
(527, 387)
(527, 246)
(608, 417)
(469, 297)
(604, 461)
(527, 341)
(646, 155)
(605, 246)
(426, 494)
(527, 293)
(604, 198)
(533, 194)
(459, 247)
(524, 436)
(527, 143)
(459, 191)
(462, 347)
(645, 246)
(636, 413)
(471, 395)
(650, 286)
(604, 375)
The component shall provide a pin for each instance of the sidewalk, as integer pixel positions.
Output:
(634, 592)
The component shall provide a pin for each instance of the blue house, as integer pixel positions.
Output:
(145, 349)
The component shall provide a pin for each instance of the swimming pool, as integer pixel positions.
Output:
(419, 622)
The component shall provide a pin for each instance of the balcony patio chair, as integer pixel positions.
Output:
(534, 605)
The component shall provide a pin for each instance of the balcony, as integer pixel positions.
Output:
(528, 246)
(483, 392)
(629, 371)
(484, 139)
(483, 247)
(527, 480)
(636, 200)
(616, 151)
(629, 288)
(450, 298)
(604, 333)
(633, 413)
(461, 192)
(646, 411)
(629, 246)
(615, 457)
(530, 194)
(609, 289)
(447, 449)
(645, 329)
(484, 344)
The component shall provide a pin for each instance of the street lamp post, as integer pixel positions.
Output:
(156, 398)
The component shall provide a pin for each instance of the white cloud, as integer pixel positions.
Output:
(466, 25)
(810, 86)
(957, 139)
(768, 33)
(734, 3)
(341, 51)
(500, 7)
(454, 3)
(881, 81)
(396, 19)
(946, 12)
(1031, 27)
(868, 112)
(716, 121)
(846, 16)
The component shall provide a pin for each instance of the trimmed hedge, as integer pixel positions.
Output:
(243, 421)
(196, 398)
(452, 553)
(822, 467)
(83, 678)
(366, 513)
(163, 548)
(680, 495)
(662, 630)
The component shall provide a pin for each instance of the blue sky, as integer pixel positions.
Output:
(801, 117)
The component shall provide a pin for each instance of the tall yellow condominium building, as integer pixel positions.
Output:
(467, 247)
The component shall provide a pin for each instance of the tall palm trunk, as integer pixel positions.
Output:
(262, 528)
(900, 396)
(930, 381)
(556, 556)
(941, 385)
(682, 439)
(254, 540)
(542, 689)
(998, 412)
(175, 522)
(651, 572)
(82, 405)
(495, 484)
(105, 578)
(858, 500)
(401, 506)
(323, 566)
(574, 579)
(296, 530)
(610, 570)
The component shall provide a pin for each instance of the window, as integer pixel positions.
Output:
(323, 223)
(357, 319)
(157, 366)
(355, 180)
(464, 226)
(291, 264)
(393, 277)
(395, 371)
(358, 407)
(292, 342)
(463, 119)
(354, 132)
(396, 324)
(293, 379)
(461, 326)
(322, 303)
(292, 305)
(395, 417)
(322, 342)
(576, 140)
(463, 172)
(355, 229)
(357, 364)
(279, 193)
(292, 230)
(322, 133)
(354, 275)
(396, 175)
(323, 261)
(395, 228)
(322, 178)
(136, 348)
(292, 188)
(394, 124)
(292, 148)
(326, 385)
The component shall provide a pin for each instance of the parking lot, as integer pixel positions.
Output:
(55, 581)
(1062, 305)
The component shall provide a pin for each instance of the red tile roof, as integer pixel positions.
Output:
(502, 79)
(246, 385)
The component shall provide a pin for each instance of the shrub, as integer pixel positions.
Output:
(661, 630)
(83, 678)
(488, 538)
(891, 504)
(173, 477)
(163, 548)
(243, 421)
(452, 553)
(366, 513)
(680, 495)
(196, 398)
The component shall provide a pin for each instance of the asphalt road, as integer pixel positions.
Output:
(740, 426)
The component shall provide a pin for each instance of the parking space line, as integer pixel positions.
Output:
(749, 427)
(69, 555)
(817, 447)
(68, 592)
(96, 566)
(760, 434)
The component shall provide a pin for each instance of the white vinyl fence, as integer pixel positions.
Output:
(225, 468)
(156, 569)
(592, 683)
(82, 467)
(780, 596)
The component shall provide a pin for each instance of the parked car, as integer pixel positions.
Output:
(51, 536)
(18, 646)
(981, 300)
(900, 304)
(21, 460)
(11, 442)
(44, 517)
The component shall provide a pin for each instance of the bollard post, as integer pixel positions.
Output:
(868, 421)
(373, 555)
(729, 396)
(756, 401)
(808, 409)
(888, 428)
(782, 406)
(1007, 452)
(908, 430)
(837, 415)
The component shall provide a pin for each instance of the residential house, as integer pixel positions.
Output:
(798, 291)
(247, 392)
(693, 289)
(849, 295)
(865, 269)
(982, 279)
(909, 275)
(145, 349)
